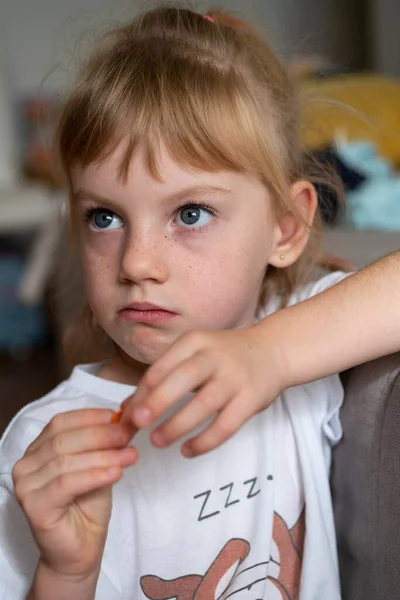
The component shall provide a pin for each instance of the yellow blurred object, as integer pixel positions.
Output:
(358, 107)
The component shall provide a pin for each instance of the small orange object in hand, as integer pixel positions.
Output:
(117, 416)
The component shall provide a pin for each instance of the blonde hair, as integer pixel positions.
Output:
(213, 92)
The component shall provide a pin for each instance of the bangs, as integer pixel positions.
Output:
(202, 113)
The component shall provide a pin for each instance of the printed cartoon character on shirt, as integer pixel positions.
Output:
(277, 579)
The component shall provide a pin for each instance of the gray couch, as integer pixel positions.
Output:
(366, 482)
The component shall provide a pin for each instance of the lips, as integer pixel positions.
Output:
(144, 306)
(145, 312)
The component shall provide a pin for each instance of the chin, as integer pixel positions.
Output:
(146, 346)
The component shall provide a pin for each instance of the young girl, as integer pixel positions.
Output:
(195, 219)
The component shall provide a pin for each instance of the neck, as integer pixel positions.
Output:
(121, 368)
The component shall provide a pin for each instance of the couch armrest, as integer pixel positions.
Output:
(366, 482)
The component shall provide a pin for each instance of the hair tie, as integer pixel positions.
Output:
(209, 18)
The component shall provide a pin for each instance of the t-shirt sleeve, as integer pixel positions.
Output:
(305, 292)
(331, 425)
(323, 398)
(18, 552)
(327, 394)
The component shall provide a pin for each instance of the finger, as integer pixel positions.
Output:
(76, 462)
(75, 441)
(202, 407)
(74, 419)
(227, 423)
(187, 377)
(42, 504)
(184, 348)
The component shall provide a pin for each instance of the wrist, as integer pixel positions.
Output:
(50, 585)
(268, 332)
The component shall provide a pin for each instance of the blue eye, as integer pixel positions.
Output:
(102, 219)
(193, 216)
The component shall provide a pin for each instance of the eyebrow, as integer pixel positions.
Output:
(193, 192)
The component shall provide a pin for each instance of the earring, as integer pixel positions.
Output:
(282, 257)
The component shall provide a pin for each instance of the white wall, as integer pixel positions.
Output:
(299, 25)
(40, 37)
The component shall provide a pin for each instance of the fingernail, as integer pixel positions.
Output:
(128, 453)
(113, 471)
(158, 439)
(106, 416)
(187, 451)
(142, 416)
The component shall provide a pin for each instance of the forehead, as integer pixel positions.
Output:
(104, 177)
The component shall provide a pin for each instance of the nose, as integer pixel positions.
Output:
(143, 257)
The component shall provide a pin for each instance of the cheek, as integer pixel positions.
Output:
(99, 255)
(226, 275)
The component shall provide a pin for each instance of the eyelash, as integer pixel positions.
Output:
(205, 207)
(92, 210)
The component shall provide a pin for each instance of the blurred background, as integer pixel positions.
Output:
(346, 53)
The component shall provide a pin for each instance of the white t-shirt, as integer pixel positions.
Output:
(229, 524)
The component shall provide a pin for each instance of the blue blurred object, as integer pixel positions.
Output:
(21, 327)
(362, 156)
(375, 204)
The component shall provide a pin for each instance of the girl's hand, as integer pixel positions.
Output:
(63, 484)
(234, 374)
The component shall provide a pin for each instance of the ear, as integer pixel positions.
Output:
(293, 228)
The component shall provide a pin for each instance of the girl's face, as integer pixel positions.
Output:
(164, 258)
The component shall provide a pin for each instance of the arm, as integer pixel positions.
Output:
(353, 322)
(234, 374)
(48, 585)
